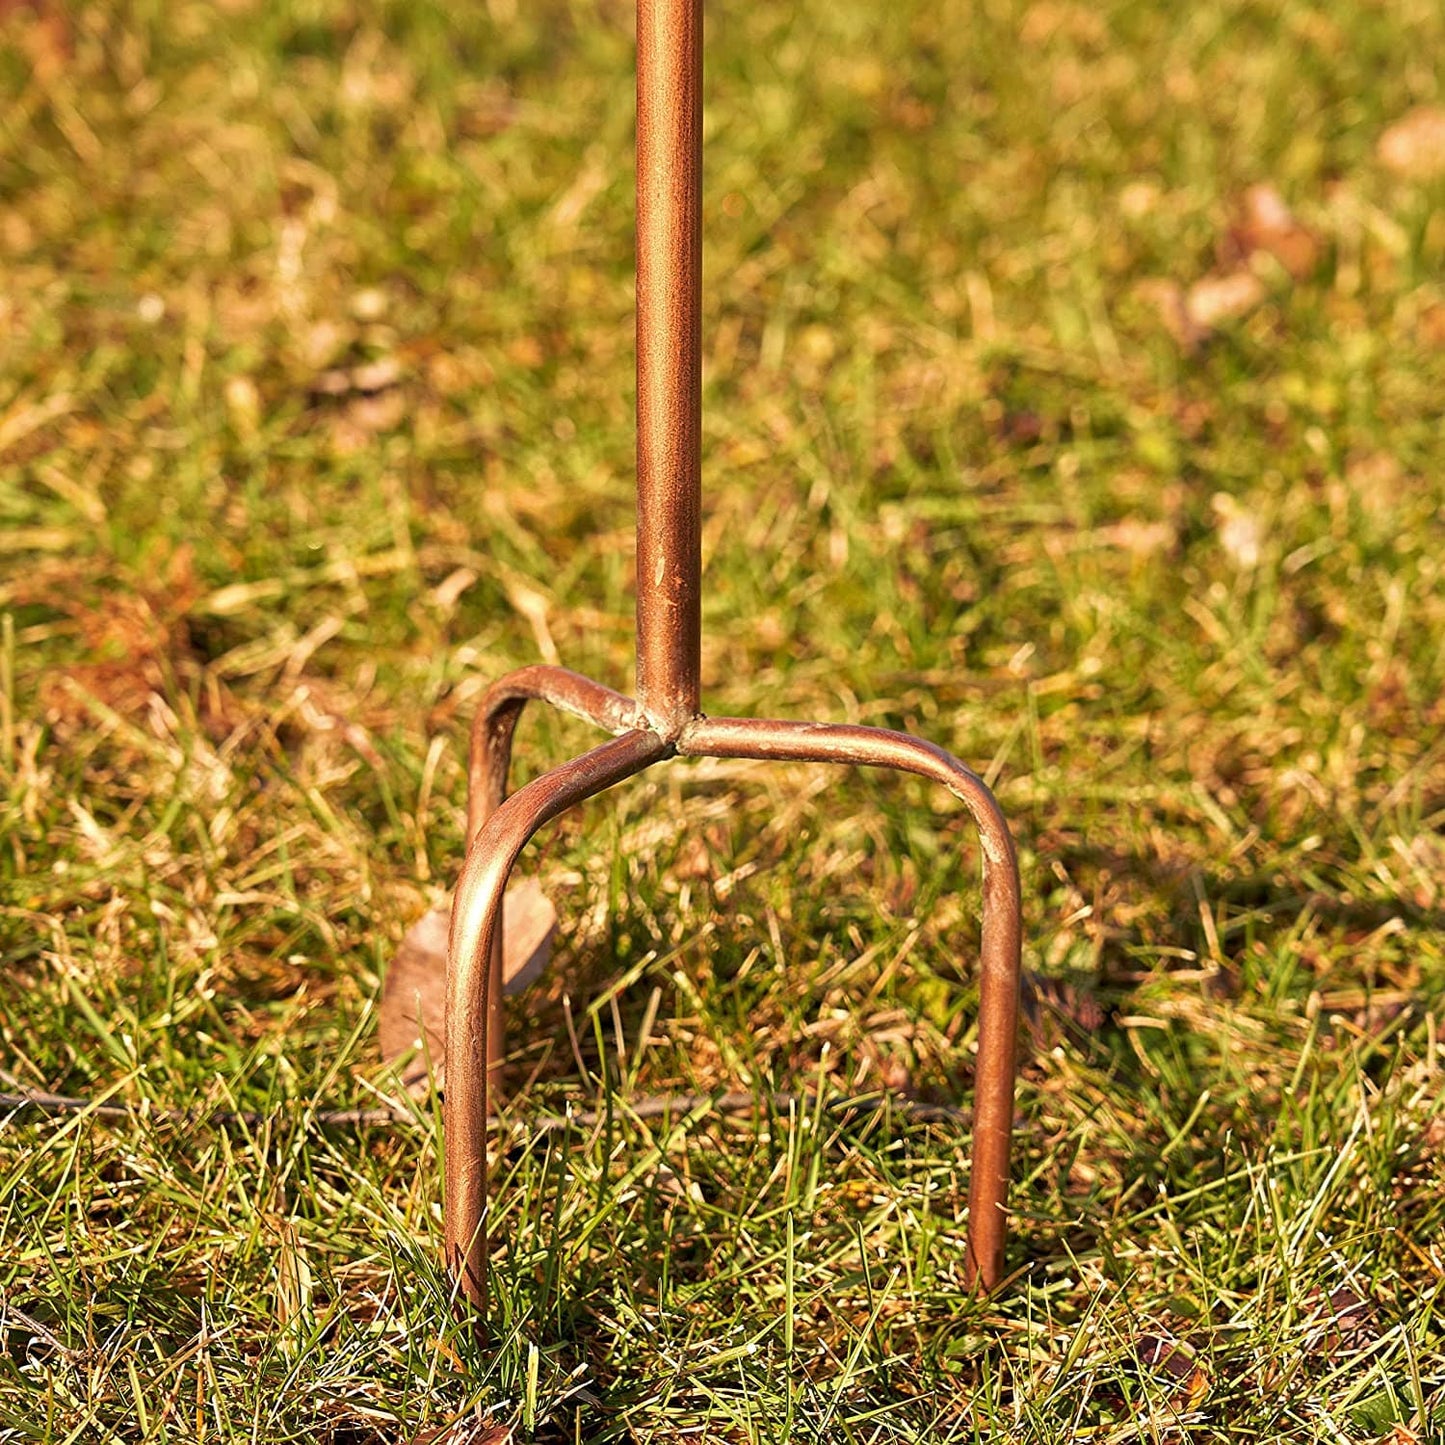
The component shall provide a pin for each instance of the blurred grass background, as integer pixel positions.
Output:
(1073, 395)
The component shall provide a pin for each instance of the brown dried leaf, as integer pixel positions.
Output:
(1414, 147)
(1217, 299)
(134, 633)
(1142, 538)
(1267, 224)
(1345, 1323)
(1178, 1364)
(464, 1432)
(413, 999)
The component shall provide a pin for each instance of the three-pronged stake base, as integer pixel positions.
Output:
(498, 828)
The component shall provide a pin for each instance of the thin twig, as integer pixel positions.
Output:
(34, 1101)
(9, 1312)
(27, 1102)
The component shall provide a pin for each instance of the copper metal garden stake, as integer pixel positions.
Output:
(664, 720)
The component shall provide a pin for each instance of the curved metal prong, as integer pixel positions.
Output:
(474, 984)
(1000, 947)
(489, 763)
(496, 721)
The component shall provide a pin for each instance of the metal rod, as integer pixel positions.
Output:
(491, 759)
(665, 719)
(999, 953)
(473, 991)
(496, 721)
(669, 360)
(472, 986)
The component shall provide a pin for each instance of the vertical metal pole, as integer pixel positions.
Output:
(669, 568)
(669, 360)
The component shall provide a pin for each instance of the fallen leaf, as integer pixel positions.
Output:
(1191, 316)
(1143, 539)
(1239, 531)
(1178, 1364)
(464, 1432)
(1344, 1323)
(1267, 224)
(135, 638)
(413, 999)
(1399, 1435)
(1216, 299)
(1414, 147)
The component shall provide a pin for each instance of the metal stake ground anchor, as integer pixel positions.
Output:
(664, 720)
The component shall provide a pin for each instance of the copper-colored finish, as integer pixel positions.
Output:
(491, 760)
(496, 721)
(474, 980)
(998, 1004)
(669, 360)
(665, 719)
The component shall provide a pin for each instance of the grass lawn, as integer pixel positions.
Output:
(1073, 399)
